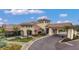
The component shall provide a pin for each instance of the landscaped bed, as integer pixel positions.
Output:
(11, 46)
(22, 39)
(67, 39)
(39, 35)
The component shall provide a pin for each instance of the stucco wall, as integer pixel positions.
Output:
(24, 29)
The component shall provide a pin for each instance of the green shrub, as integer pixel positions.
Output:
(76, 37)
(35, 35)
(12, 46)
(22, 39)
(2, 44)
(17, 38)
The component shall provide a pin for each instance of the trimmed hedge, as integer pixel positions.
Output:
(22, 39)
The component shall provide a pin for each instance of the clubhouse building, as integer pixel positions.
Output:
(43, 25)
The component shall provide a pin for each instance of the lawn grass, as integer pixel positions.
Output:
(22, 39)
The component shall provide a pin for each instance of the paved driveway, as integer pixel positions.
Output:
(48, 43)
(75, 45)
(51, 43)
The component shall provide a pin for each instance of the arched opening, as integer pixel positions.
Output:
(47, 30)
(55, 31)
(22, 33)
(29, 32)
(41, 31)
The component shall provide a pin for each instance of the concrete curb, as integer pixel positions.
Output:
(31, 42)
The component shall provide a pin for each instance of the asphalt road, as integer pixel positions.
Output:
(49, 43)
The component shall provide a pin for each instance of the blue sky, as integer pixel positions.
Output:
(11, 16)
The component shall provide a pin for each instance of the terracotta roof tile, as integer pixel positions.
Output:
(59, 25)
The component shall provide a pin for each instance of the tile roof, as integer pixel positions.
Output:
(59, 25)
(28, 23)
(9, 27)
(43, 20)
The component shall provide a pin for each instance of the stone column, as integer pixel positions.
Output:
(75, 32)
(70, 33)
(25, 32)
(33, 32)
(44, 30)
(22, 32)
(50, 31)
(57, 31)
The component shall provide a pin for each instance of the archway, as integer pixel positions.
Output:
(22, 33)
(29, 32)
(47, 30)
(54, 31)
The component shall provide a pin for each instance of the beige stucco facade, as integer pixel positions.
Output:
(42, 24)
(24, 30)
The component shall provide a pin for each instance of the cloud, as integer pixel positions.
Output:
(35, 11)
(0, 19)
(65, 21)
(23, 11)
(63, 15)
(59, 21)
(43, 17)
(3, 21)
(32, 17)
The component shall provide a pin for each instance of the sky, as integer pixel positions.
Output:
(17, 16)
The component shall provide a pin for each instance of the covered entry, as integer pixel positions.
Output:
(55, 29)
